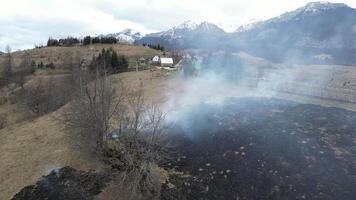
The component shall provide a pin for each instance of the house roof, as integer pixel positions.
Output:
(166, 60)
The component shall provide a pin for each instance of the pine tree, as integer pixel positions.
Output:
(114, 61)
(124, 64)
(87, 40)
(7, 72)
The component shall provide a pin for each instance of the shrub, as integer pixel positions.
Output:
(3, 121)
(50, 66)
(44, 96)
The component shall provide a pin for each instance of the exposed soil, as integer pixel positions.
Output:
(258, 148)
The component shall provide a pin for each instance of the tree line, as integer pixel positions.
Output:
(109, 61)
(99, 40)
(153, 46)
(70, 41)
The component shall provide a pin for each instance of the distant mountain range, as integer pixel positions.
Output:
(127, 35)
(320, 32)
(187, 35)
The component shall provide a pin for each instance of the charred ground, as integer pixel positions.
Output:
(249, 148)
(261, 148)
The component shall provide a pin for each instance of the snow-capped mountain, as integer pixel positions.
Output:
(181, 36)
(176, 31)
(127, 35)
(187, 28)
(301, 35)
(248, 25)
(311, 9)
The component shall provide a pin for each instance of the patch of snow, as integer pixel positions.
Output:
(248, 25)
(190, 25)
(312, 8)
(127, 35)
(184, 28)
(317, 7)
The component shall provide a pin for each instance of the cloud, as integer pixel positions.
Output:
(27, 22)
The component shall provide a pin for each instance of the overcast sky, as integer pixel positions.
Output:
(25, 23)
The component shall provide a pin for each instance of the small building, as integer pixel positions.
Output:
(155, 59)
(166, 62)
(142, 61)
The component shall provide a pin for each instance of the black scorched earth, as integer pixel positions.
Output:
(255, 148)
(260, 148)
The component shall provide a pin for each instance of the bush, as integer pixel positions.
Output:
(44, 96)
(3, 98)
(52, 42)
(3, 121)
(141, 184)
(50, 66)
(40, 65)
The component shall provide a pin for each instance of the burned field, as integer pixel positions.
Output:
(261, 148)
(249, 148)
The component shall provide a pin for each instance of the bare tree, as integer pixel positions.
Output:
(38, 96)
(95, 104)
(7, 67)
(138, 146)
(45, 95)
(25, 69)
(128, 132)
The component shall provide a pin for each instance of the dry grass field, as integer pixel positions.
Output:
(61, 55)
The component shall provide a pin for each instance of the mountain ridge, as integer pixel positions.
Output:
(128, 35)
(301, 35)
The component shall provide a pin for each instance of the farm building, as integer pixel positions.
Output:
(142, 60)
(155, 59)
(168, 62)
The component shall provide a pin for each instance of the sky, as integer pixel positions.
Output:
(26, 23)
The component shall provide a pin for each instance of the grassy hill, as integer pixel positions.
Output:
(34, 145)
(61, 55)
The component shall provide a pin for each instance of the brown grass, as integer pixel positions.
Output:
(31, 149)
(58, 55)
(155, 83)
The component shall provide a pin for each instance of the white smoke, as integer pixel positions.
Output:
(257, 79)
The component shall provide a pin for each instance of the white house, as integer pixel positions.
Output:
(155, 59)
(167, 62)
